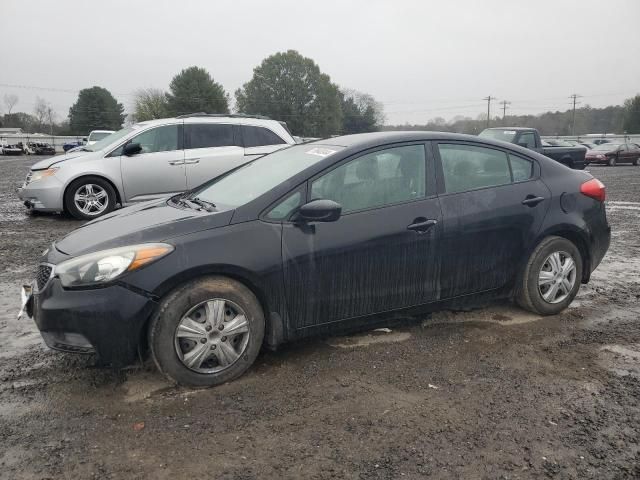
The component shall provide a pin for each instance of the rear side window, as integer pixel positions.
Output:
(468, 167)
(208, 135)
(259, 136)
(522, 169)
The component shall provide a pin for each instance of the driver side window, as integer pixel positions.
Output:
(160, 139)
(376, 179)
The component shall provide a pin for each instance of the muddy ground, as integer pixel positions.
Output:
(492, 393)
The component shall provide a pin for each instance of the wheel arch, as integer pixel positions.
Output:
(273, 330)
(575, 236)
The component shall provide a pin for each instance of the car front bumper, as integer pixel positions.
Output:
(43, 195)
(108, 321)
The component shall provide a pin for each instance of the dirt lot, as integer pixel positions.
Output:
(493, 393)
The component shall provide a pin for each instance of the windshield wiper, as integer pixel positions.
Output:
(195, 203)
(208, 206)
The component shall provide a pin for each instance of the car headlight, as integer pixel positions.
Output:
(106, 265)
(40, 174)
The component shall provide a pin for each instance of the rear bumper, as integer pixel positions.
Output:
(107, 321)
(43, 196)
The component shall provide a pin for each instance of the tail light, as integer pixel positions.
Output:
(594, 188)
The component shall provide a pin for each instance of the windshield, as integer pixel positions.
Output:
(606, 147)
(109, 139)
(95, 136)
(258, 177)
(504, 135)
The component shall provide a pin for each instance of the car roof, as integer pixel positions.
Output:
(362, 141)
(203, 118)
(517, 129)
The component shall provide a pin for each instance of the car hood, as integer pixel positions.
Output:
(152, 221)
(48, 162)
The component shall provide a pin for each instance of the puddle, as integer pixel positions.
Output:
(369, 338)
(622, 360)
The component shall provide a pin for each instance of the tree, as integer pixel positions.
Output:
(44, 114)
(95, 109)
(289, 87)
(631, 120)
(150, 103)
(22, 120)
(361, 113)
(10, 100)
(194, 90)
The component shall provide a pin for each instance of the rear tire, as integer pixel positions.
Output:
(548, 285)
(95, 189)
(191, 320)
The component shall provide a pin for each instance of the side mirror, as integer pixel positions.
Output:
(318, 211)
(523, 144)
(84, 139)
(131, 149)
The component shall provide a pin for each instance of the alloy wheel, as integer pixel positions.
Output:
(557, 277)
(91, 199)
(212, 336)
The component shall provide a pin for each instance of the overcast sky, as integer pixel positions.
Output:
(422, 59)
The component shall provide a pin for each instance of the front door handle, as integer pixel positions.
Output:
(421, 225)
(192, 161)
(531, 201)
(176, 162)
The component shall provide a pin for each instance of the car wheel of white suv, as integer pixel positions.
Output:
(89, 197)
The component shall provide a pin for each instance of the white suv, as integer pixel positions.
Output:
(149, 160)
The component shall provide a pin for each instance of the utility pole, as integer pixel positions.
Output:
(504, 104)
(488, 99)
(574, 96)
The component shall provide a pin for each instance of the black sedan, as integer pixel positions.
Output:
(318, 238)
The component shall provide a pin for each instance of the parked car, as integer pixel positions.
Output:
(320, 238)
(41, 148)
(570, 143)
(97, 135)
(613, 153)
(72, 145)
(572, 157)
(149, 160)
(12, 150)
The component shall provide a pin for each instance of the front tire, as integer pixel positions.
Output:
(612, 161)
(87, 198)
(551, 278)
(207, 332)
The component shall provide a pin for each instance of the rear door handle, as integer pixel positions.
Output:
(421, 225)
(531, 201)
(176, 162)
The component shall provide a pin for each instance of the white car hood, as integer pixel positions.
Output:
(47, 162)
